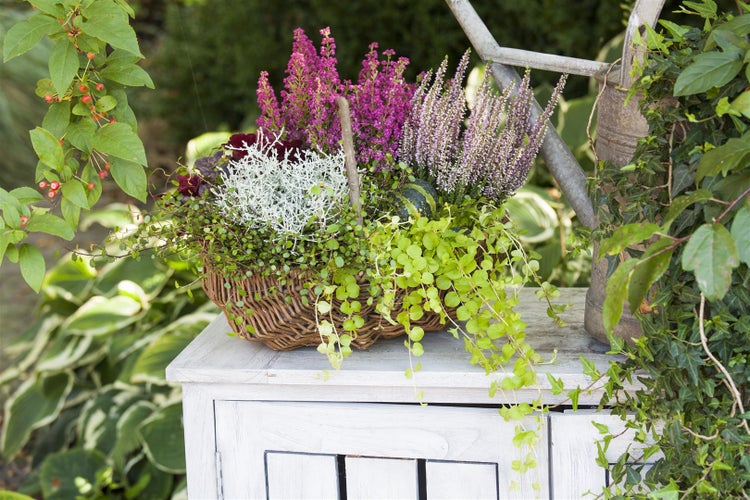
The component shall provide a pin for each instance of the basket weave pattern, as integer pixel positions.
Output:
(262, 309)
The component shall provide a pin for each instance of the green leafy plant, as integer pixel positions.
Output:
(89, 131)
(86, 389)
(682, 239)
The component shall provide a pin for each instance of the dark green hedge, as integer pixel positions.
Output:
(210, 58)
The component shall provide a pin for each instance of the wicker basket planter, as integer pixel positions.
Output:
(262, 309)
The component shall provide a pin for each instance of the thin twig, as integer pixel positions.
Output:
(732, 387)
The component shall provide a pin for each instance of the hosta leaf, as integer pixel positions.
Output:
(22, 36)
(60, 471)
(711, 254)
(101, 316)
(64, 352)
(97, 425)
(162, 438)
(127, 436)
(63, 65)
(741, 234)
(708, 70)
(154, 359)
(35, 404)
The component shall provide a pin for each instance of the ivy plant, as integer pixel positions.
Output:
(89, 132)
(679, 228)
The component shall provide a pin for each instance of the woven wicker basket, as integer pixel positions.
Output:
(265, 310)
(262, 309)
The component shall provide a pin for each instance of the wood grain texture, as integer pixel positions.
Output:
(246, 430)
(300, 476)
(457, 481)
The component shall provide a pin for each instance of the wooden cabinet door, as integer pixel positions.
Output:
(573, 452)
(340, 450)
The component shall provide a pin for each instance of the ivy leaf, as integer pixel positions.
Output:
(723, 159)
(711, 254)
(616, 294)
(32, 266)
(107, 21)
(24, 35)
(708, 70)
(47, 148)
(741, 234)
(63, 65)
(119, 140)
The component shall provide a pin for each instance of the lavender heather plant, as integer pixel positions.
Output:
(487, 153)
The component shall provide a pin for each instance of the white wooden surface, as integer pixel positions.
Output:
(391, 478)
(235, 367)
(244, 403)
(246, 431)
(297, 476)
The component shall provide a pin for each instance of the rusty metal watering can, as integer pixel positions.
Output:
(619, 125)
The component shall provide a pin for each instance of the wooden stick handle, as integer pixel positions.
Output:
(349, 159)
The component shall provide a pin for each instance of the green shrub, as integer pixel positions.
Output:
(87, 389)
(212, 52)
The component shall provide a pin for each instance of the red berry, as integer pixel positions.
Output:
(90, 55)
(99, 86)
(102, 174)
(83, 88)
(86, 99)
(106, 165)
(43, 185)
(51, 193)
(54, 185)
(91, 186)
(24, 220)
(112, 120)
(49, 99)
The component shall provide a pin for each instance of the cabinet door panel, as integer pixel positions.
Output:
(246, 430)
(299, 476)
(477, 481)
(381, 478)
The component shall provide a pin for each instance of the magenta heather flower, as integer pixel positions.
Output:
(380, 102)
(307, 112)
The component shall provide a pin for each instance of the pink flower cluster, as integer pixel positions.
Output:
(379, 101)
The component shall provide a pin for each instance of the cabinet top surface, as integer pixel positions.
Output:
(215, 357)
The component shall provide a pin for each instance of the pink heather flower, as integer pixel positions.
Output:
(270, 114)
(380, 102)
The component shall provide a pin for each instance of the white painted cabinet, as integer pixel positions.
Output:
(281, 425)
